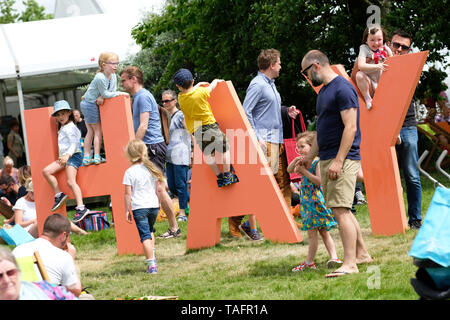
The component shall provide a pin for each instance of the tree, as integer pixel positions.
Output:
(222, 38)
(33, 12)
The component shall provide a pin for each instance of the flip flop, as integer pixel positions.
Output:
(336, 274)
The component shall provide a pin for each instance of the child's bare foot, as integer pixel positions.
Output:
(364, 259)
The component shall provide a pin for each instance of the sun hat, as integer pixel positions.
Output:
(60, 105)
(181, 76)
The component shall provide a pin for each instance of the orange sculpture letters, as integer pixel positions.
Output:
(256, 193)
(380, 127)
(94, 180)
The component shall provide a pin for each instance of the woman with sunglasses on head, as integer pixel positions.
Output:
(103, 86)
(178, 154)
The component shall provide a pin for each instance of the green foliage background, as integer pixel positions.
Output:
(222, 38)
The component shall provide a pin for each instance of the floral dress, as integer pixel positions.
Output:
(315, 215)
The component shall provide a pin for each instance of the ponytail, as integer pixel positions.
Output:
(136, 152)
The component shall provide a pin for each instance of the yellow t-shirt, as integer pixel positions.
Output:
(196, 109)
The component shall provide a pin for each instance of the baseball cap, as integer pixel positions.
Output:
(181, 76)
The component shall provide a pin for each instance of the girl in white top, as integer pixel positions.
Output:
(25, 210)
(372, 54)
(69, 159)
(141, 181)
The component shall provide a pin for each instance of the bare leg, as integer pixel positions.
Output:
(364, 85)
(226, 161)
(49, 172)
(211, 162)
(88, 139)
(71, 173)
(148, 245)
(313, 245)
(97, 127)
(362, 255)
(349, 235)
(329, 243)
(75, 229)
(252, 221)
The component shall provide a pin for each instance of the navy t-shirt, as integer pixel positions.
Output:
(333, 98)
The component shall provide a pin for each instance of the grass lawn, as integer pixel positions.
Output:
(239, 269)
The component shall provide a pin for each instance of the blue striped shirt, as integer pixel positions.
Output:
(262, 105)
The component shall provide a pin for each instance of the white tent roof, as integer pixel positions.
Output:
(65, 44)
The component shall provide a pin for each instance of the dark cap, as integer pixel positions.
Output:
(181, 76)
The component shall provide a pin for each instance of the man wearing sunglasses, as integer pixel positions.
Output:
(407, 150)
(337, 145)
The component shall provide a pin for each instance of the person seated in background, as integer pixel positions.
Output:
(53, 247)
(9, 169)
(9, 191)
(12, 288)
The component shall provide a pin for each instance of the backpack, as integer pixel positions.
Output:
(164, 117)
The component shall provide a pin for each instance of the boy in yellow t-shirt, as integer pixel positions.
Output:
(201, 123)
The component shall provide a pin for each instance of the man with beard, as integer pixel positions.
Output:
(337, 144)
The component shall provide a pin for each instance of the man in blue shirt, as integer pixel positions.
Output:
(262, 105)
(147, 127)
(337, 144)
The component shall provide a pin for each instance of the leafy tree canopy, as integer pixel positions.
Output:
(33, 12)
(222, 38)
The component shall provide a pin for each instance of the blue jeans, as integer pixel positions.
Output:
(145, 222)
(408, 157)
(177, 178)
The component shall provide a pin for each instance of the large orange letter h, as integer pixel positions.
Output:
(94, 180)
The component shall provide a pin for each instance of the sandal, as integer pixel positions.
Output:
(97, 159)
(87, 160)
(303, 266)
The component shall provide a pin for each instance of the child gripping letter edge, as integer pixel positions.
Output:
(69, 158)
(316, 217)
(201, 123)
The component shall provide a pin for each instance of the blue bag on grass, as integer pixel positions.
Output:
(433, 239)
(16, 235)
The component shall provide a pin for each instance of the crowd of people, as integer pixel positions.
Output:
(329, 159)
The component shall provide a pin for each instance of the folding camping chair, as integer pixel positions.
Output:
(430, 129)
(28, 271)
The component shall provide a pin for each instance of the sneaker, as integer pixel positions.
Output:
(333, 263)
(87, 160)
(220, 180)
(360, 197)
(59, 201)
(170, 234)
(229, 178)
(182, 218)
(255, 236)
(152, 269)
(416, 224)
(80, 214)
(303, 266)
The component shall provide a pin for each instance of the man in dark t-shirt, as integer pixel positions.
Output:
(337, 144)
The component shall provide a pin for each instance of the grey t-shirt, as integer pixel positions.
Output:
(179, 148)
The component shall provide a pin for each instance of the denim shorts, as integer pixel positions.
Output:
(75, 160)
(90, 111)
(145, 221)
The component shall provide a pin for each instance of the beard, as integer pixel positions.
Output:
(316, 79)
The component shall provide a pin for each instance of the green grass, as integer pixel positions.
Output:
(239, 269)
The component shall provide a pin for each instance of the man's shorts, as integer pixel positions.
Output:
(210, 139)
(339, 193)
(157, 155)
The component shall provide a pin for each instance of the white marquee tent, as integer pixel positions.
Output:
(33, 49)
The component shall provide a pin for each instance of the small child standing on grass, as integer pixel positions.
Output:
(201, 123)
(316, 217)
(140, 182)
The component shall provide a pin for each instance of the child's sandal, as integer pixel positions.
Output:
(87, 160)
(97, 159)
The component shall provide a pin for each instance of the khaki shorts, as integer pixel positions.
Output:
(210, 139)
(339, 193)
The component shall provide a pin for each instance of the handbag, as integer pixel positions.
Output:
(433, 239)
(94, 221)
(290, 145)
(16, 235)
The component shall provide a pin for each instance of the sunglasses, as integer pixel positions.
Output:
(397, 45)
(10, 273)
(307, 68)
(167, 101)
